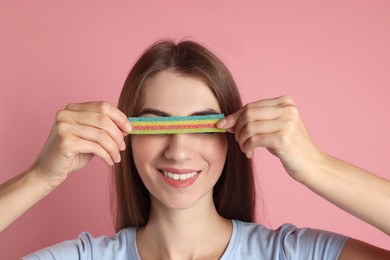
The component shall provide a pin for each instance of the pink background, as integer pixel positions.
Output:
(333, 57)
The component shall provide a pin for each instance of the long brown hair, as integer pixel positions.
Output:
(234, 192)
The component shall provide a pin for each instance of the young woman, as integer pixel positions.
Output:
(192, 196)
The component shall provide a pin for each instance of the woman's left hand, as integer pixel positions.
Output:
(276, 125)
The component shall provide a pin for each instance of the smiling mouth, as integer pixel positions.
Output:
(179, 177)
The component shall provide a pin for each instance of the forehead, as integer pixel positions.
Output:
(178, 95)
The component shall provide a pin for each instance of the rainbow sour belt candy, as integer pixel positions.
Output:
(175, 124)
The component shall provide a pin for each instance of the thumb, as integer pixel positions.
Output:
(229, 122)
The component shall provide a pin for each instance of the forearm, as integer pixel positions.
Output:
(19, 194)
(354, 190)
(276, 125)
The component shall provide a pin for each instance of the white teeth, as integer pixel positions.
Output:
(181, 177)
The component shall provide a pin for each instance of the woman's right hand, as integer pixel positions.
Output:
(80, 132)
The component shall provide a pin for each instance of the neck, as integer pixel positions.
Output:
(197, 232)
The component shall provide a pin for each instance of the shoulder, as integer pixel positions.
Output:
(255, 240)
(88, 247)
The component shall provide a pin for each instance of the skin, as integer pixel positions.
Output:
(204, 153)
(80, 132)
(276, 125)
(183, 222)
(177, 227)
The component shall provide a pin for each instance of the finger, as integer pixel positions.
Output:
(101, 122)
(115, 114)
(259, 128)
(262, 110)
(249, 154)
(229, 121)
(100, 137)
(93, 119)
(278, 101)
(85, 147)
(261, 140)
(74, 147)
(252, 113)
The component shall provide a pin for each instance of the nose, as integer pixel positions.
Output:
(179, 148)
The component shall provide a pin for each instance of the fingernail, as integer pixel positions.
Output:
(123, 146)
(110, 163)
(129, 128)
(221, 123)
(118, 158)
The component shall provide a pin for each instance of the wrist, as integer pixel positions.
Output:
(318, 164)
(42, 178)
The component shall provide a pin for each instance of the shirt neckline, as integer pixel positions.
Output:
(133, 249)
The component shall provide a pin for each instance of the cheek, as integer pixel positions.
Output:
(144, 150)
(215, 150)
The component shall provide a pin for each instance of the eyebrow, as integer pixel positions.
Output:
(156, 112)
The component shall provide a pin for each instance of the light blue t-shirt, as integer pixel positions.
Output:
(248, 241)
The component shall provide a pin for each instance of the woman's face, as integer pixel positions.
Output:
(179, 170)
